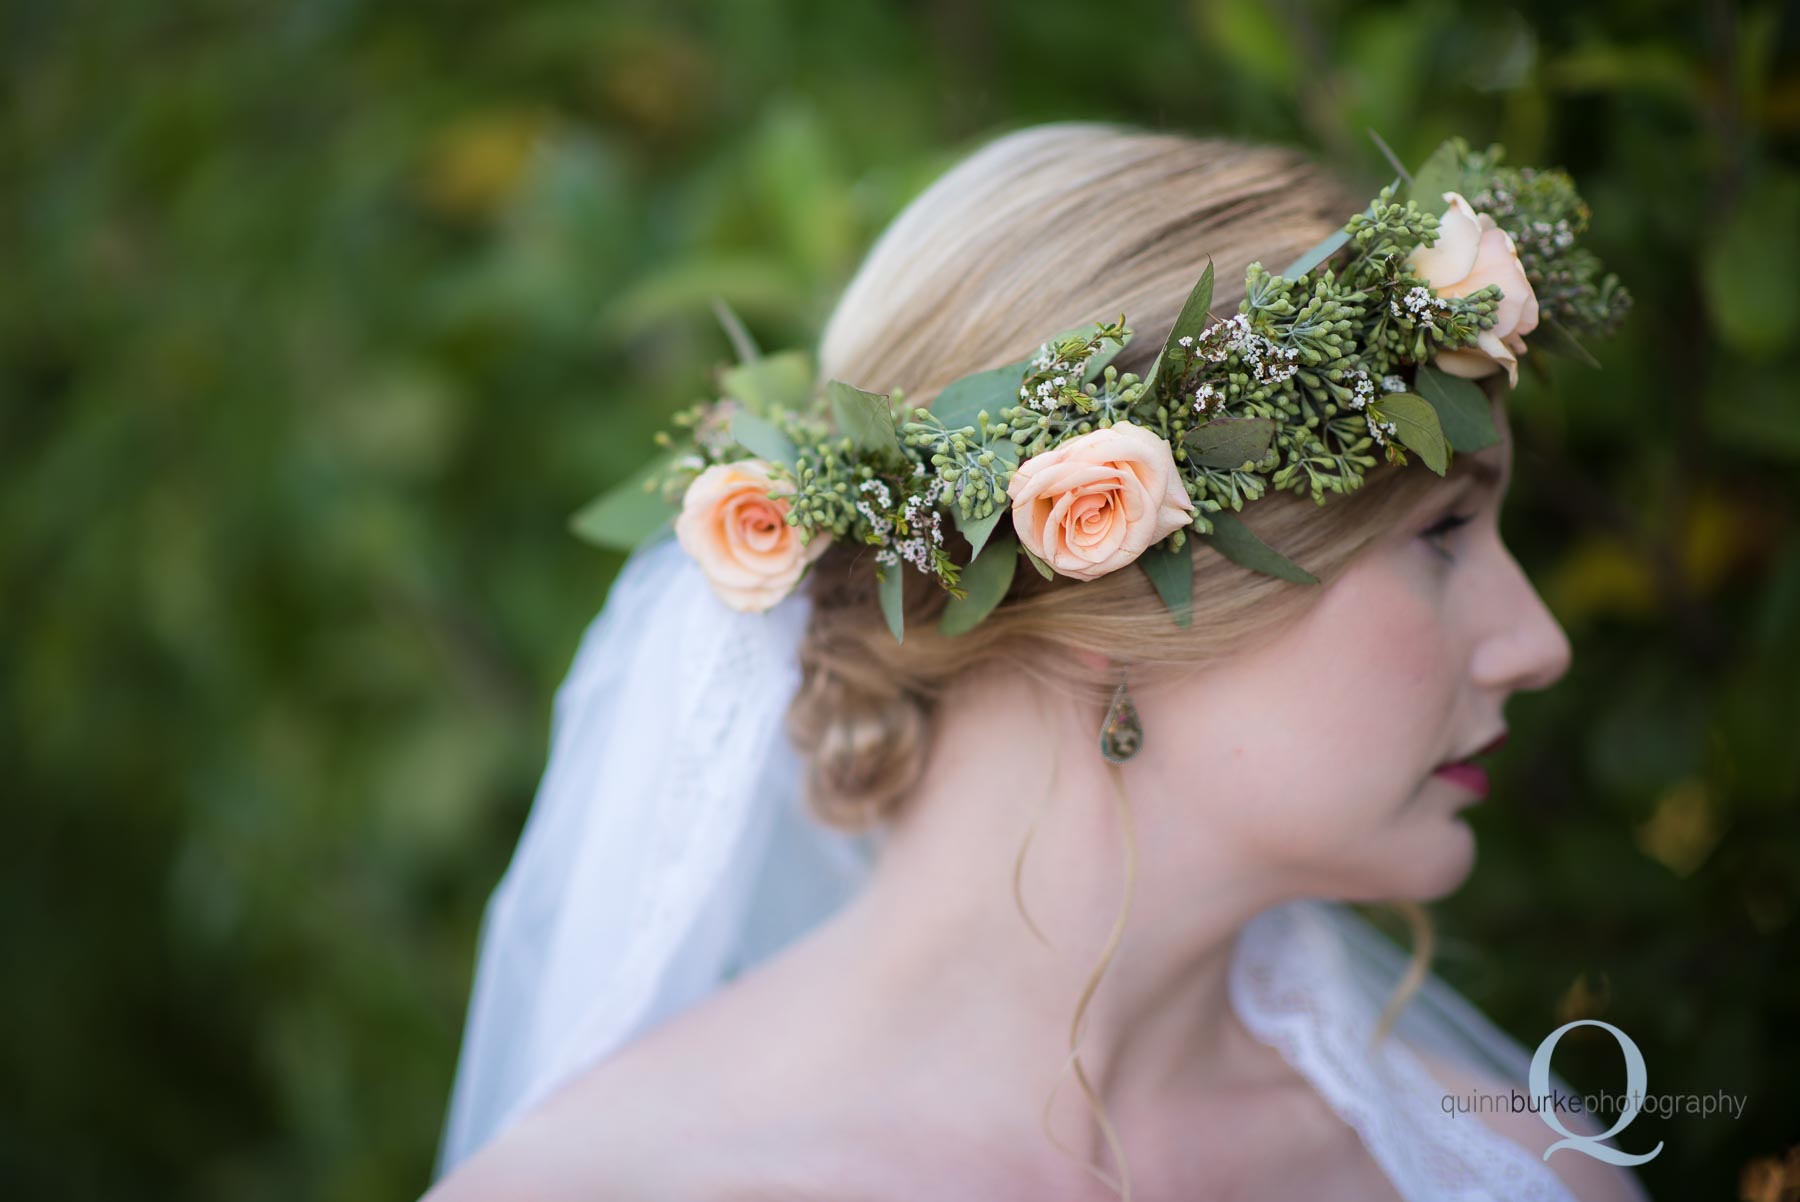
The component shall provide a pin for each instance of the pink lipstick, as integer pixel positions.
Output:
(1470, 776)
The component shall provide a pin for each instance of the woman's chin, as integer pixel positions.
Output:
(1443, 871)
(1429, 861)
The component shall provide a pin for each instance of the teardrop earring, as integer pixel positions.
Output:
(1121, 735)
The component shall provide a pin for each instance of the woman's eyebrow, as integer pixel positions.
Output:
(1484, 472)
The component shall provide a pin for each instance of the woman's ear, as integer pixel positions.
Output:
(1095, 660)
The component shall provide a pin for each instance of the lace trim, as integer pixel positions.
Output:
(1291, 986)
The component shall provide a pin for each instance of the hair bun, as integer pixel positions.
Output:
(863, 732)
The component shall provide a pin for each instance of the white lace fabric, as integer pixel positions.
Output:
(1295, 987)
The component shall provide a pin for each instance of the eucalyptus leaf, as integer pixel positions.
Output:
(1441, 173)
(976, 530)
(985, 580)
(1188, 324)
(1172, 572)
(1465, 414)
(1238, 543)
(993, 390)
(891, 590)
(1317, 255)
(1229, 442)
(624, 516)
(866, 418)
(1043, 569)
(1552, 337)
(779, 381)
(763, 439)
(1416, 423)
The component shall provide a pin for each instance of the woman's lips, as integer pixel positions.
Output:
(1470, 776)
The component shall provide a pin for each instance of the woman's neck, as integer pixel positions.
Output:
(944, 966)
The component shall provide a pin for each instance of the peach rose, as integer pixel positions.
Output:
(1471, 252)
(1093, 504)
(739, 535)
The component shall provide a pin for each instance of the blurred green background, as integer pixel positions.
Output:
(319, 319)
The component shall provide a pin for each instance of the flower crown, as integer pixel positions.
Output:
(1369, 344)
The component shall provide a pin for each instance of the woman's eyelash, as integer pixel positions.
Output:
(1443, 526)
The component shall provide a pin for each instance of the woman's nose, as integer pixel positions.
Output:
(1524, 647)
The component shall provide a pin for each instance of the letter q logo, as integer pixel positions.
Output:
(1635, 1078)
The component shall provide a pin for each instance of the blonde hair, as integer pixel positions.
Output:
(1039, 231)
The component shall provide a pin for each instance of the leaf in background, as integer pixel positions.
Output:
(892, 592)
(1416, 421)
(1601, 577)
(1751, 266)
(1043, 569)
(799, 185)
(1189, 324)
(778, 381)
(1238, 543)
(1258, 40)
(478, 161)
(865, 418)
(1747, 415)
(763, 439)
(672, 293)
(1172, 572)
(1647, 68)
(1464, 412)
(993, 390)
(626, 515)
(985, 580)
(1230, 442)
(1684, 828)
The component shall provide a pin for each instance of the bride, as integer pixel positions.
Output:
(1064, 915)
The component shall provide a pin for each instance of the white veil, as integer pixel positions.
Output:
(667, 850)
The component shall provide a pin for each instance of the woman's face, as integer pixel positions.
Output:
(1317, 755)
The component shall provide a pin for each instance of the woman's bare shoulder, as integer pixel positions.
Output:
(662, 1119)
(549, 1158)
(562, 1151)
(546, 1160)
